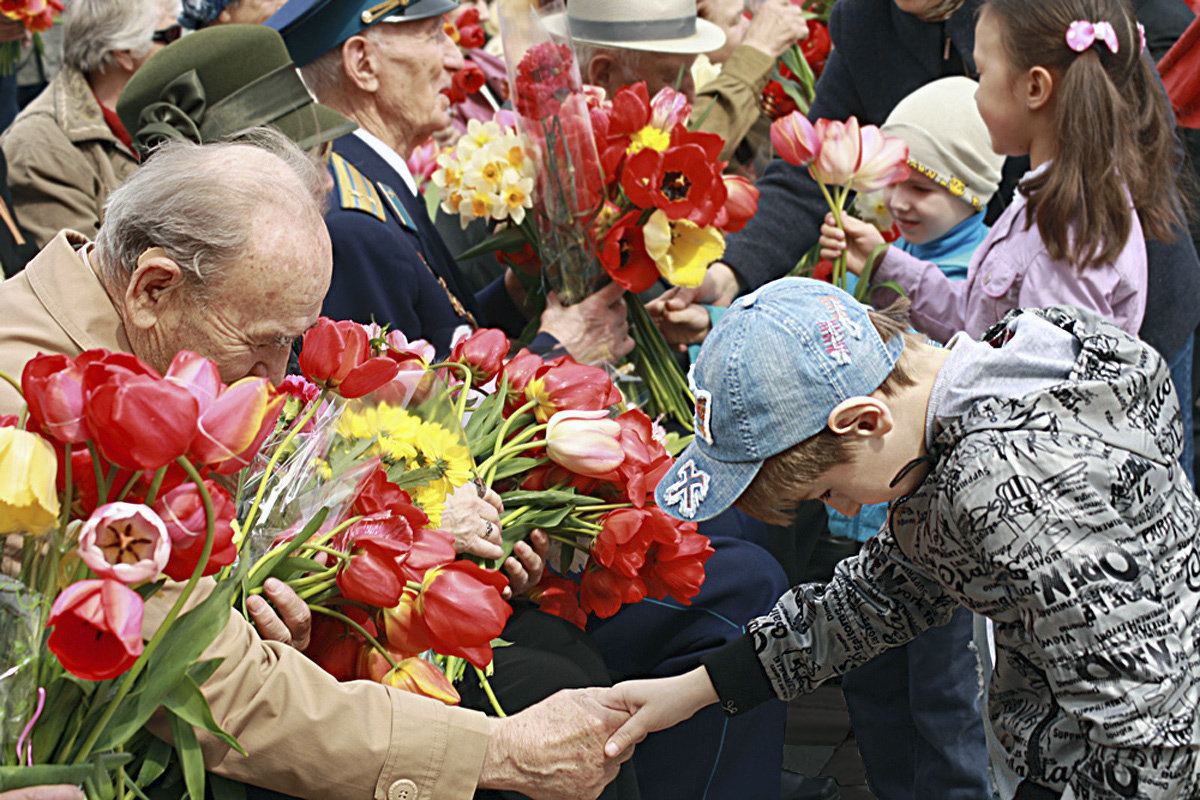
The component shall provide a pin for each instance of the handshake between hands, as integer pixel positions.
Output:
(572, 744)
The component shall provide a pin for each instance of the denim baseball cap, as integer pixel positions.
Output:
(766, 378)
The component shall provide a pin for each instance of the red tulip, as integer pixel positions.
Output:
(560, 597)
(140, 421)
(740, 206)
(646, 458)
(623, 254)
(378, 495)
(337, 355)
(626, 535)
(403, 627)
(198, 375)
(232, 427)
(418, 676)
(795, 139)
(430, 548)
(483, 352)
(53, 389)
(517, 372)
(683, 181)
(126, 542)
(97, 629)
(335, 646)
(677, 569)
(817, 46)
(182, 511)
(373, 575)
(464, 610)
(602, 592)
(565, 383)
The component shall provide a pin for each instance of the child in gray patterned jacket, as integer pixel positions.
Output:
(1033, 478)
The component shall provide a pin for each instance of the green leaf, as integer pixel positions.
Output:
(516, 465)
(549, 497)
(186, 701)
(44, 774)
(277, 555)
(190, 757)
(295, 565)
(154, 762)
(180, 647)
(62, 714)
(509, 239)
(895, 287)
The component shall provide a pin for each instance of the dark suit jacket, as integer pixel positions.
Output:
(386, 269)
(882, 54)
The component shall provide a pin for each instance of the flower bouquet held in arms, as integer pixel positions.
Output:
(843, 157)
(110, 485)
(569, 458)
(371, 449)
(793, 82)
(35, 16)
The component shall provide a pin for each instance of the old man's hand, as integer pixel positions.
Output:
(593, 330)
(293, 622)
(554, 749)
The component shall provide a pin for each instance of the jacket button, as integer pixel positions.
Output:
(403, 789)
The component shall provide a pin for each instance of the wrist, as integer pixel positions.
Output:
(499, 770)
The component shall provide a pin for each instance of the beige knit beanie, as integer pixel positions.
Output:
(947, 140)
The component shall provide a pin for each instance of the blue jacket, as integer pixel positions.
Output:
(388, 258)
(881, 55)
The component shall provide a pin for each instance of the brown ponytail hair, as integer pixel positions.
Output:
(1113, 127)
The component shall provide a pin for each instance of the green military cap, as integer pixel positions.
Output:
(312, 28)
(219, 81)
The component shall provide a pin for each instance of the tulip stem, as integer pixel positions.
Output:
(12, 382)
(101, 494)
(487, 469)
(128, 487)
(320, 548)
(487, 689)
(513, 516)
(509, 422)
(329, 612)
(460, 404)
(317, 588)
(155, 485)
(313, 579)
(140, 664)
(568, 542)
(275, 456)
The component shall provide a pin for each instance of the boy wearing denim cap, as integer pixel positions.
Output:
(1033, 478)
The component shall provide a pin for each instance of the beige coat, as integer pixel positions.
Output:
(307, 734)
(63, 160)
(731, 103)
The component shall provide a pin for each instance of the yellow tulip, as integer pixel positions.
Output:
(681, 249)
(28, 498)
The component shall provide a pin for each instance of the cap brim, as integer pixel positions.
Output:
(313, 125)
(707, 38)
(700, 487)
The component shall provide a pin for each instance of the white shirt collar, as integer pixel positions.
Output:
(389, 155)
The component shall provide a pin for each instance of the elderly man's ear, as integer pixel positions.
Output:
(156, 285)
(360, 63)
(604, 71)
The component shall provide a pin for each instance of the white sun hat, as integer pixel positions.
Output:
(664, 26)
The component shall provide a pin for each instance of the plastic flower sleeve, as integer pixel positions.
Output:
(20, 638)
(552, 112)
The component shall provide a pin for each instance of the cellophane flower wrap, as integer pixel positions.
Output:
(112, 497)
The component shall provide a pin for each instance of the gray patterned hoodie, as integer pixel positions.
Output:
(1062, 515)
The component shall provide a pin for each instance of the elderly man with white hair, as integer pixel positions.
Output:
(220, 249)
(67, 151)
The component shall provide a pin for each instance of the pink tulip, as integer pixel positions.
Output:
(740, 205)
(126, 542)
(884, 161)
(586, 442)
(197, 374)
(53, 388)
(97, 629)
(668, 109)
(233, 426)
(841, 145)
(795, 139)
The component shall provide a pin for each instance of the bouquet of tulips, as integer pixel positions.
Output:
(793, 82)
(654, 202)
(114, 481)
(568, 457)
(843, 157)
(35, 16)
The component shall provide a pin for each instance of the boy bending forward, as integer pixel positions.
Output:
(1033, 478)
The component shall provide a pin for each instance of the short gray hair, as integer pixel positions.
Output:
(200, 203)
(326, 78)
(94, 29)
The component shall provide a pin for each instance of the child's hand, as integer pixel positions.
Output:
(858, 241)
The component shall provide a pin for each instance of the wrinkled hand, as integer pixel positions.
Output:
(777, 25)
(681, 321)
(474, 519)
(593, 330)
(293, 623)
(858, 241)
(654, 705)
(56, 792)
(526, 564)
(554, 749)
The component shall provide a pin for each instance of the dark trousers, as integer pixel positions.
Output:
(917, 719)
(710, 756)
